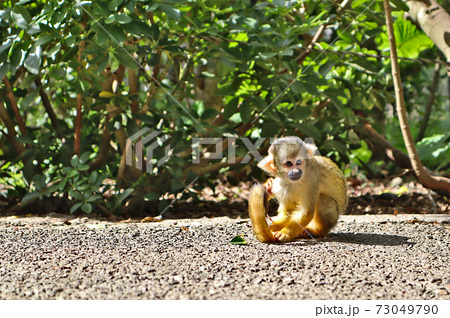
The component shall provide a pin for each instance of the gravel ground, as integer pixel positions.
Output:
(366, 257)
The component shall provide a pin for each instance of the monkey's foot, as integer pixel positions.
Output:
(282, 237)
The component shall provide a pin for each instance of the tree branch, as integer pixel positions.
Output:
(48, 107)
(79, 106)
(18, 147)
(103, 149)
(429, 106)
(12, 99)
(78, 120)
(397, 156)
(317, 36)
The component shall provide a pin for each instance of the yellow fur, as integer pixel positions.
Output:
(311, 192)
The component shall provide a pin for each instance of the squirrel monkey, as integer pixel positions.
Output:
(311, 192)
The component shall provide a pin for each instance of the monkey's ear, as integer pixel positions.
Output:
(311, 149)
(268, 165)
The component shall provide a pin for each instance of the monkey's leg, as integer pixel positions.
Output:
(280, 220)
(289, 232)
(325, 217)
(295, 225)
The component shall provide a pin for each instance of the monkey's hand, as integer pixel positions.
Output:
(268, 187)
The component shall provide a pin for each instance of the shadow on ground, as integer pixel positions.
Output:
(368, 239)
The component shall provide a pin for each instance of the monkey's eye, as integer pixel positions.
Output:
(298, 162)
(288, 163)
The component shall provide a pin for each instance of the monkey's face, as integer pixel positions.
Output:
(291, 167)
(289, 158)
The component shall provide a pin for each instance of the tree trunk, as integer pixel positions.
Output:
(434, 21)
(439, 184)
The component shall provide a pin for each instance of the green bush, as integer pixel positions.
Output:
(87, 76)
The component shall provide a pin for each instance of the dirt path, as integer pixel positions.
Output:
(366, 257)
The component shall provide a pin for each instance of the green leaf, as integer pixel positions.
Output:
(258, 102)
(152, 196)
(16, 57)
(231, 108)
(77, 195)
(93, 198)
(300, 87)
(75, 207)
(400, 5)
(154, 59)
(144, 118)
(228, 89)
(333, 94)
(239, 240)
(363, 153)
(299, 112)
(110, 19)
(170, 11)
(54, 50)
(70, 53)
(176, 185)
(125, 59)
(122, 18)
(39, 181)
(86, 207)
(410, 41)
(102, 65)
(93, 177)
(33, 61)
(43, 39)
(209, 113)
(74, 162)
(83, 167)
(135, 28)
(72, 173)
(175, 1)
(279, 3)
(62, 185)
(4, 69)
(102, 36)
(245, 111)
(30, 197)
(117, 34)
(267, 55)
(315, 80)
(310, 131)
(122, 196)
(335, 145)
(353, 137)
(85, 157)
(20, 20)
(114, 4)
(269, 128)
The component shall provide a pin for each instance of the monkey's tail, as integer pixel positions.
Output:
(257, 209)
